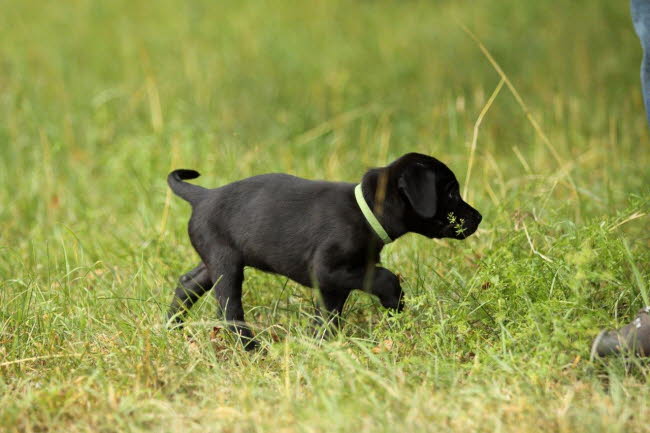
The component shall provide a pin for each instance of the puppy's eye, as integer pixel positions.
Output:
(452, 192)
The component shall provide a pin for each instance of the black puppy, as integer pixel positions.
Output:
(319, 234)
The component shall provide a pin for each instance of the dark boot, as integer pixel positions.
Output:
(630, 339)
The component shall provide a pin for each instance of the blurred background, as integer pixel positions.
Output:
(100, 100)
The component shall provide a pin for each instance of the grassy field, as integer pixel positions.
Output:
(99, 100)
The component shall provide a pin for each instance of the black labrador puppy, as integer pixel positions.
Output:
(320, 234)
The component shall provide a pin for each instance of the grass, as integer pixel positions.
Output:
(99, 100)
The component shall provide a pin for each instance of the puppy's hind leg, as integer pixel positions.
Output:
(191, 287)
(227, 271)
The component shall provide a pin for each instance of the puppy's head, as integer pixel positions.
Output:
(426, 195)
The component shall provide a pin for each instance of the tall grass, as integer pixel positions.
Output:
(99, 101)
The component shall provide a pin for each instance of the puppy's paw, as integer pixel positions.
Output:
(393, 304)
(251, 345)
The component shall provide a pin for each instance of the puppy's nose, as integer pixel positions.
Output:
(479, 218)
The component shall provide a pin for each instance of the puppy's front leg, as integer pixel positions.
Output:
(333, 301)
(379, 281)
(386, 286)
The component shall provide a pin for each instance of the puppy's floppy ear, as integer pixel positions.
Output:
(418, 183)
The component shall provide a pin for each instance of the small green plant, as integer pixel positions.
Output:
(459, 223)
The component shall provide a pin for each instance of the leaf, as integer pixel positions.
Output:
(384, 346)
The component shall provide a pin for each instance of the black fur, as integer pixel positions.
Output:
(313, 232)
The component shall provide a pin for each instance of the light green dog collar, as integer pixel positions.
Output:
(370, 217)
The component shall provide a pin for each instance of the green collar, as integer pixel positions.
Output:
(370, 217)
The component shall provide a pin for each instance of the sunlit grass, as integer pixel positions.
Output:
(99, 101)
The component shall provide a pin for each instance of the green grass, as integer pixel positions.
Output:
(99, 100)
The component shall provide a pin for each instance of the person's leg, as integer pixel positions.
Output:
(633, 338)
(641, 19)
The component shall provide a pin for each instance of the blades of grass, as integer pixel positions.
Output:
(39, 358)
(526, 111)
(472, 149)
(637, 275)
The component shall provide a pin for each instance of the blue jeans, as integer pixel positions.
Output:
(641, 19)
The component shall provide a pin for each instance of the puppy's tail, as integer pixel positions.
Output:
(186, 191)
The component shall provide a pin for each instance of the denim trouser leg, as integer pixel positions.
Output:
(641, 18)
